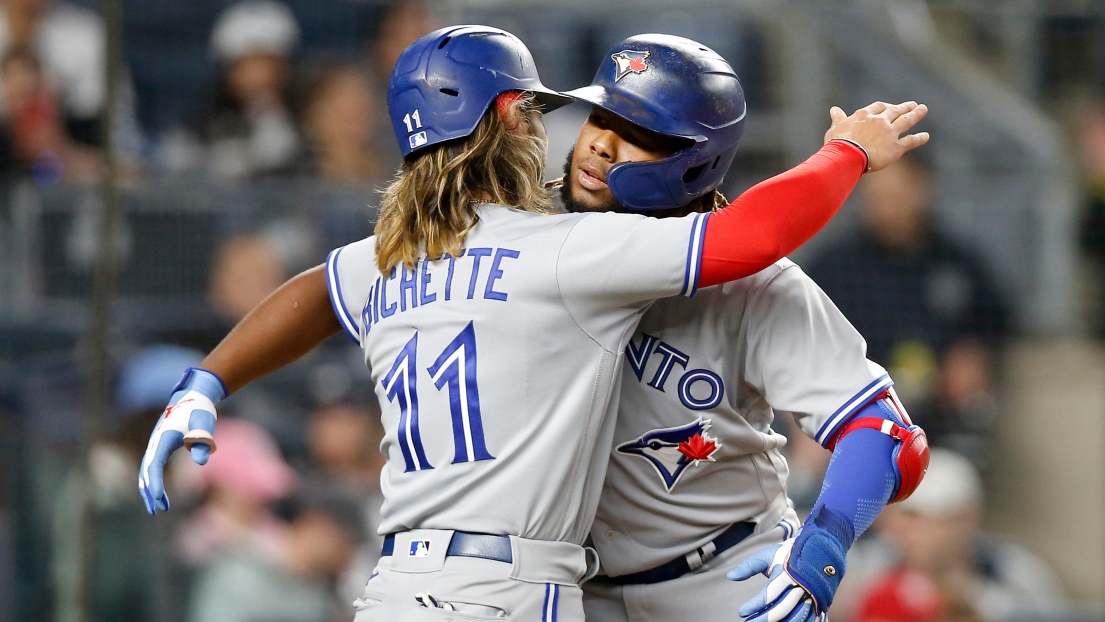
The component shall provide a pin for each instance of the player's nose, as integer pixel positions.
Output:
(604, 144)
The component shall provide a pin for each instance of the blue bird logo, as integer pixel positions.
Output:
(672, 450)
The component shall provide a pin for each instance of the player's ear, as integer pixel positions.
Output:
(509, 107)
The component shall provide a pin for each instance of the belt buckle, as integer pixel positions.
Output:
(698, 557)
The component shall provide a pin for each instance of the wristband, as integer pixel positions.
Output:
(860, 147)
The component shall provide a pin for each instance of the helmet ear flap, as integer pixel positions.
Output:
(506, 106)
(650, 185)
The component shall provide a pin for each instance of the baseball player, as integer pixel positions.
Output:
(494, 329)
(696, 481)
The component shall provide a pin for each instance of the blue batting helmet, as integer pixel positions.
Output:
(443, 83)
(676, 87)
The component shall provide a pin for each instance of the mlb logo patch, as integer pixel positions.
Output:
(419, 548)
(629, 61)
(418, 140)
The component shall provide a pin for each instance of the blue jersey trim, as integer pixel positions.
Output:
(850, 407)
(694, 255)
(333, 286)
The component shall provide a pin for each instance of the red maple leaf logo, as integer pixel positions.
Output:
(697, 448)
(637, 64)
(169, 409)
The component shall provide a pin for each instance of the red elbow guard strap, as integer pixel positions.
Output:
(911, 456)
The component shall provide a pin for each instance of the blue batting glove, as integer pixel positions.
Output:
(803, 575)
(188, 421)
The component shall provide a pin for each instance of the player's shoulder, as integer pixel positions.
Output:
(776, 275)
(499, 224)
(493, 212)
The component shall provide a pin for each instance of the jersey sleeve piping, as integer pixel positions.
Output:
(333, 286)
(694, 256)
(850, 407)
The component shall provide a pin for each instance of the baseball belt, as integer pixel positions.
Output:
(463, 544)
(686, 563)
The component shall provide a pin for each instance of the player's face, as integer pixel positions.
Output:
(605, 140)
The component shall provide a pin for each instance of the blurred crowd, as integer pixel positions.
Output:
(263, 102)
(281, 524)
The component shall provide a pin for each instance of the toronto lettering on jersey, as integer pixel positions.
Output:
(474, 273)
(672, 451)
(698, 389)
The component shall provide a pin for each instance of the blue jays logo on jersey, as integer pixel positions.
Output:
(672, 450)
(629, 61)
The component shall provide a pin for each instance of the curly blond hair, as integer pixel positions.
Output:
(430, 205)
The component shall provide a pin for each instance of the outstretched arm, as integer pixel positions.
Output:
(776, 216)
(291, 322)
(285, 326)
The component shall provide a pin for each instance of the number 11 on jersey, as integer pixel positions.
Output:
(454, 368)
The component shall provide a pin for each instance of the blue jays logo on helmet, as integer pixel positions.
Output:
(629, 61)
(672, 450)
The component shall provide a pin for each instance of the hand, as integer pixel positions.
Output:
(188, 420)
(803, 575)
(878, 129)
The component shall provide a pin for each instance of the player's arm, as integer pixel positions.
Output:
(806, 358)
(775, 217)
(878, 457)
(288, 324)
(631, 259)
(294, 319)
(285, 326)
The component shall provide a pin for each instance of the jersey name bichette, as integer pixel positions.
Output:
(495, 369)
(414, 287)
(694, 451)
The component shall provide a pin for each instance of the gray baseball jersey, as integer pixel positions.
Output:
(495, 370)
(694, 451)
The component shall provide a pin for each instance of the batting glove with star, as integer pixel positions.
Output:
(188, 421)
(803, 575)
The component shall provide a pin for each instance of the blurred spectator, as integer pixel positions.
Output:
(240, 482)
(343, 439)
(340, 124)
(928, 308)
(246, 269)
(33, 137)
(249, 128)
(1093, 231)
(403, 23)
(341, 121)
(297, 586)
(130, 561)
(70, 41)
(938, 541)
(904, 595)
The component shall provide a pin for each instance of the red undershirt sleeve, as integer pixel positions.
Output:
(775, 217)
